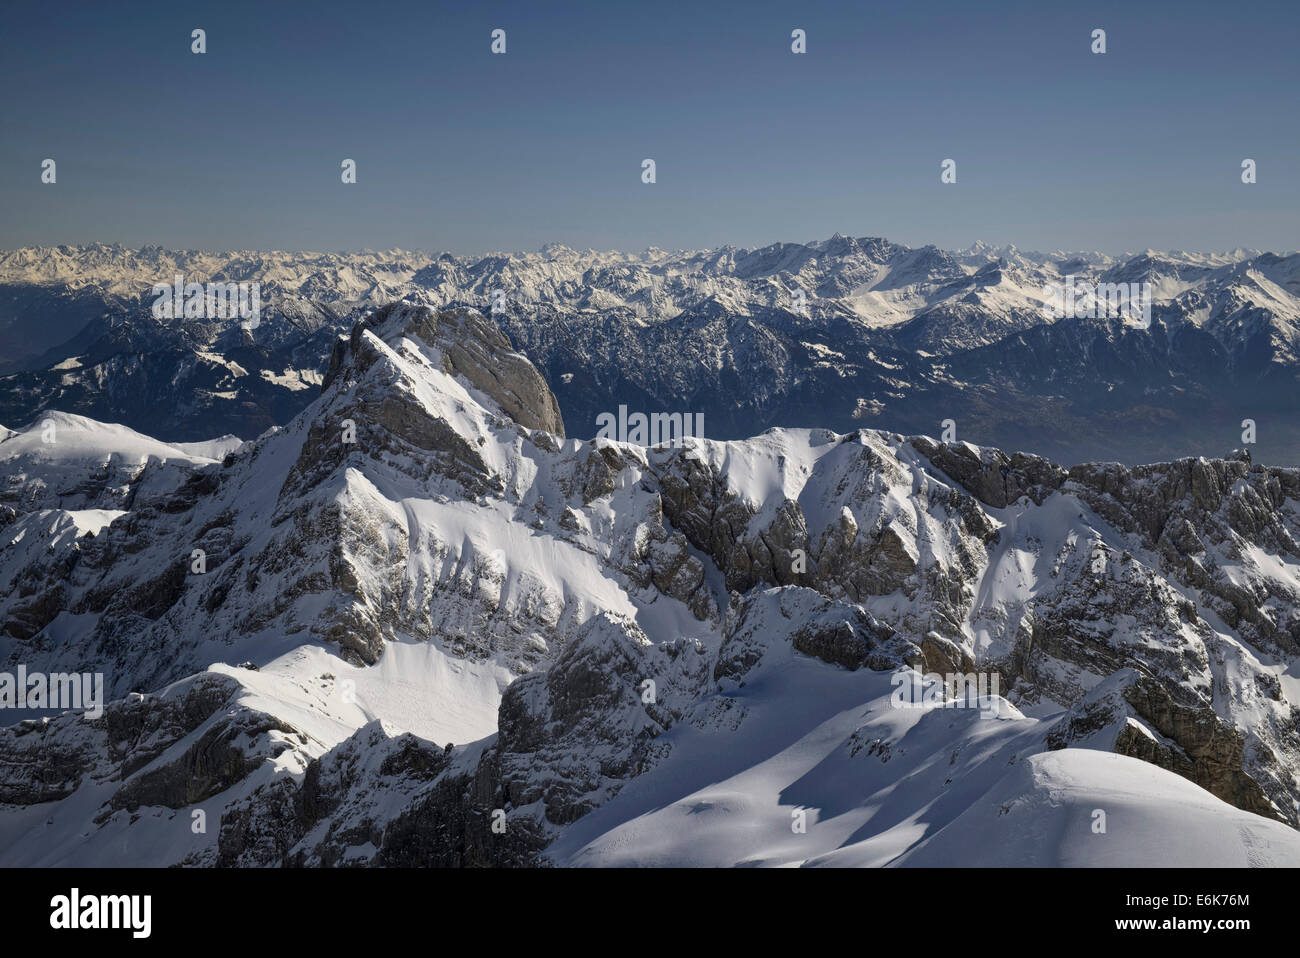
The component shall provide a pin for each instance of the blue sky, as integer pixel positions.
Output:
(462, 150)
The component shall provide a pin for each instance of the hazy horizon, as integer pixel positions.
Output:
(482, 253)
(462, 150)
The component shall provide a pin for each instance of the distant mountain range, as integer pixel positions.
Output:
(843, 333)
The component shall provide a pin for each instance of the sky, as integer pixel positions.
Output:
(464, 150)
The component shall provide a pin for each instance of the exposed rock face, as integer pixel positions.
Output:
(715, 521)
(1193, 511)
(944, 657)
(471, 347)
(834, 632)
(607, 698)
(990, 475)
(1211, 749)
(1137, 716)
(211, 765)
(43, 762)
(343, 803)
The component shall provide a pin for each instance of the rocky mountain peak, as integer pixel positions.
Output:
(463, 343)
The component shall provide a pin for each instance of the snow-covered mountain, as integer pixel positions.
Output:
(842, 333)
(419, 624)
